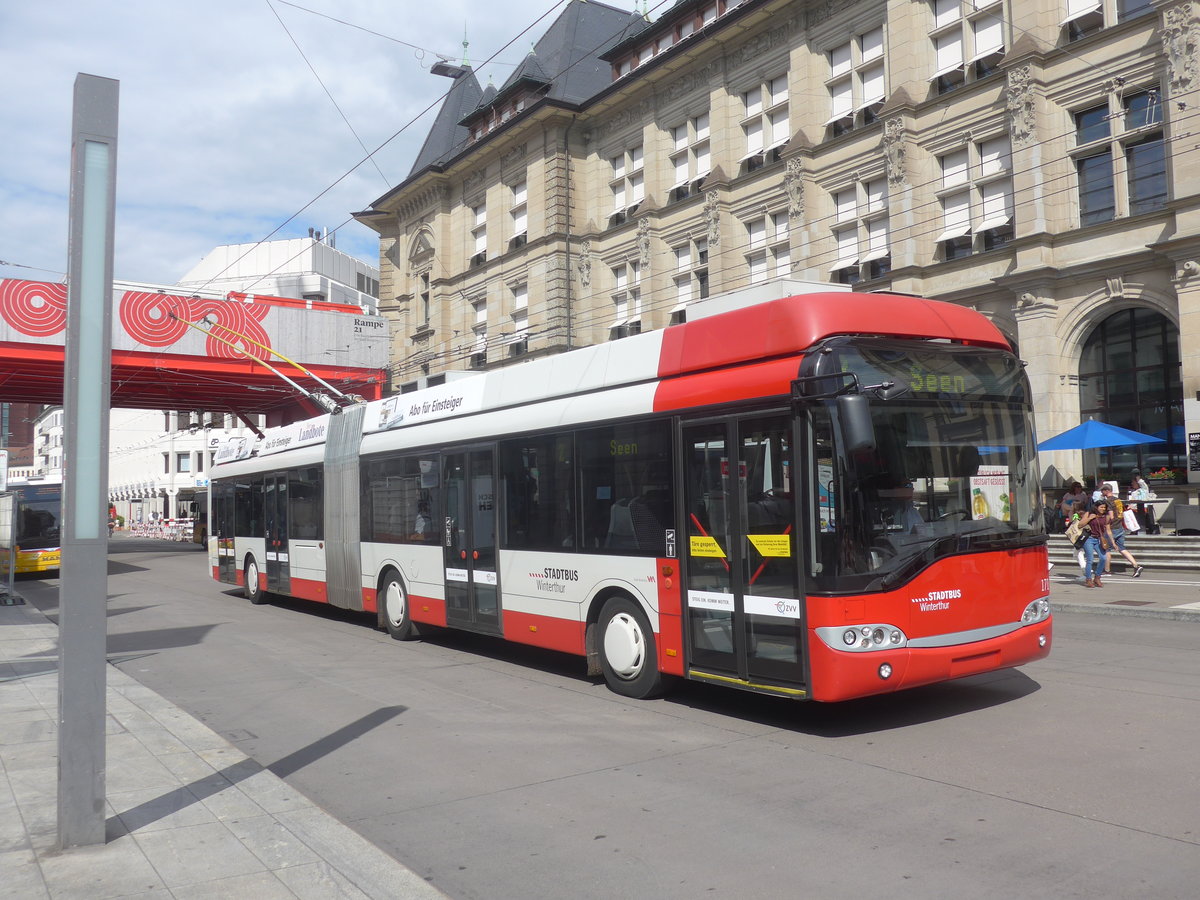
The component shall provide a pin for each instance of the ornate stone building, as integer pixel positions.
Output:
(1037, 160)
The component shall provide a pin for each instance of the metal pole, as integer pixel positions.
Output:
(83, 588)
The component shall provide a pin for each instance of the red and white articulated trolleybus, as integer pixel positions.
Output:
(819, 496)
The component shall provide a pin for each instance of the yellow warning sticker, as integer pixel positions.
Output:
(703, 545)
(772, 544)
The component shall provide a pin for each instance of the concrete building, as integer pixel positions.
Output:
(158, 462)
(304, 268)
(16, 432)
(1032, 159)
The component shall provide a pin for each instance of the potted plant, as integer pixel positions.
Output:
(1165, 475)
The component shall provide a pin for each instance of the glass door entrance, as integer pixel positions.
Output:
(745, 613)
(275, 515)
(469, 540)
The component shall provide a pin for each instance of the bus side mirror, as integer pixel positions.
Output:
(854, 419)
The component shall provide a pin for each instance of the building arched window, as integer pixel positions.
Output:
(1129, 375)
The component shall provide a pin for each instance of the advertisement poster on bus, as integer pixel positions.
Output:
(990, 496)
(825, 497)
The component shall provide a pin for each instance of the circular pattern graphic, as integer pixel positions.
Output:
(34, 308)
(148, 318)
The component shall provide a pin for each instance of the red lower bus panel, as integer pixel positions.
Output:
(307, 589)
(842, 676)
(427, 610)
(670, 619)
(544, 631)
(370, 600)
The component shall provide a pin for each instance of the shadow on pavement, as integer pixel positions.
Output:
(174, 800)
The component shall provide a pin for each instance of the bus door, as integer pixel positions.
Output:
(223, 531)
(469, 540)
(275, 516)
(741, 588)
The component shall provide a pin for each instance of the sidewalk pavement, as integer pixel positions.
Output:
(1157, 593)
(188, 815)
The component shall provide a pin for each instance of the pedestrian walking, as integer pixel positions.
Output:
(1096, 546)
(1116, 521)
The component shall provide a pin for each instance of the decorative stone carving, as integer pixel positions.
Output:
(692, 81)
(420, 202)
(643, 244)
(793, 186)
(584, 266)
(626, 118)
(1181, 42)
(712, 219)
(820, 12)
(1189, 269)
(894, 153)
(1019, 102)
(516, 154)
(762, 43)
(1116, 287)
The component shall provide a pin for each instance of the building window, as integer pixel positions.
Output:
(857, 81)
(480, 330)
(519, 342)
(764, 123)
(691, 157)
(691, 277)
(367, 285)
(1120, 158)
(976, 198)
(1129, 376)
(518, 213)
(479, 235)
(627, 184)
(968, 41)
(627, 300)
(768, 255)
(426, 305)
(860, 232)
(1087, 17)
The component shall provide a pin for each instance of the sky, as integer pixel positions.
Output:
(225, 133)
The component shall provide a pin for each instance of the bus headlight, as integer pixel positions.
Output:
(860, 638)
(1037, 611)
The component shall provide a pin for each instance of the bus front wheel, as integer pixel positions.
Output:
(627, 652)
(254, 592)
(393, 609)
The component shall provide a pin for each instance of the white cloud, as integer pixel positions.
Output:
(224, 131)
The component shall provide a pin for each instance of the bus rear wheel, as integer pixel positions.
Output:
(254, 592)
(393, 609)
(627, 652)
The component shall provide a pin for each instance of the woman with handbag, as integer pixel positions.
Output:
(1116, 521)
(1095, 546)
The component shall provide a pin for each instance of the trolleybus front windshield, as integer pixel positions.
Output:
(953, 469)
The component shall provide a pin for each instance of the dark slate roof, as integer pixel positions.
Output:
(565, 63)
(569, 52)
(530, 70)
(446, 134)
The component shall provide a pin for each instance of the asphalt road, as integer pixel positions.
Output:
(498, 771)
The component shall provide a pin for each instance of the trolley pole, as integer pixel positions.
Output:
(83, 588)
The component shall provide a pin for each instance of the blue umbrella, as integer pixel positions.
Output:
(1096, 434)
